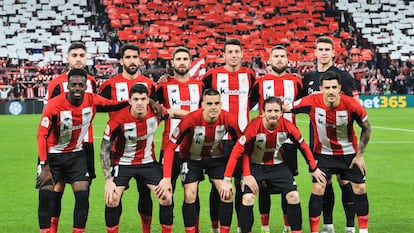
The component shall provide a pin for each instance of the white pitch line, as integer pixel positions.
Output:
(393, 129)
(390, 142)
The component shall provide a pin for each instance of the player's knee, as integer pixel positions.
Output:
(190, 195)
(318, 188)
(80, 186)
(248, 199)
(59, 186)
(292, 197)
(359, 188)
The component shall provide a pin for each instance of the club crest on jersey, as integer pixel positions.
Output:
(45, 122)
(242, 140)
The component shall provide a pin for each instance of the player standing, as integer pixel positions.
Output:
(234, 83)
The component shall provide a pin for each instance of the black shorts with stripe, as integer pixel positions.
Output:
(194, 170)
(150, 173)
(339, 165)
(278, 178)
(69, 167)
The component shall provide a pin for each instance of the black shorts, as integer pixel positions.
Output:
(278, 178)
(90, 158)
(339, 165)
(150, 173)
(193, 170)
(290, 156)
(69, 167)
(227, 148)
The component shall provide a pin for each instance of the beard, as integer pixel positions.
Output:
(279, 70)
(181, 71)
(130, 70)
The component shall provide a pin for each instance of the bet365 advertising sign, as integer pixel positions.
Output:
(387, 101)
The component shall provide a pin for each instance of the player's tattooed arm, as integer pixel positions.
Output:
(105, 158)
(365, 135)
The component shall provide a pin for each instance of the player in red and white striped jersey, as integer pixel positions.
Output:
(262, 143)
(76, 59)
(65, 122)
(324, 53)
(234, 83)
(180, 91)
(199, 135)
(336, 148)
(117, 88)
(288, 88)
(131, 134)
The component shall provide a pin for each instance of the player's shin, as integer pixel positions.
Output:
(315, 209)
(80, 213)
(348, 204)
(225, 215)
(362, 211)
(264, 208)
(246, 218)
(44, 209)
(294, 214)
(56, 206)
(328, 204)
(166, 218)
(112, 216)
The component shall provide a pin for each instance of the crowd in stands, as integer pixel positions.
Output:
(375, 72)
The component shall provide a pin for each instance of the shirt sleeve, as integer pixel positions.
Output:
(46, 123)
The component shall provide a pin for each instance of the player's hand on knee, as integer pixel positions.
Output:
(319, 175)
(226, 189)
(250, 182)
(44, 175)
(163, 189)
(111, 195)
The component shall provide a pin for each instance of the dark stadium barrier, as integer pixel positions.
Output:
(21, 107)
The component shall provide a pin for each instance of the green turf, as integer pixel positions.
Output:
(389, 183)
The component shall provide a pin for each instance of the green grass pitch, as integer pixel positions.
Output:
(389, 157)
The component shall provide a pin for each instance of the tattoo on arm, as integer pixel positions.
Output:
(365, 135)
(105, 158)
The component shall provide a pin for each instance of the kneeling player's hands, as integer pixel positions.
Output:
(163, 188)
(319, 175)
(250, 182)
(111, 196)
(226, 189)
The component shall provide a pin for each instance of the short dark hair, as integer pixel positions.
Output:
(324, 39)
(210, 92)
(125, 47)
(79, 72)
(138, 88)
(330, 75)
(181, 49)
(278, 47)
(272, 100)
(76, 45)
(233, 41)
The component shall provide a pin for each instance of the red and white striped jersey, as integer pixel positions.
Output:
(199, 139)
(174, 94)
(117, 88)
(333, 127)
(63, 125)
(264, 146)
(234, 88)
(60, 84)
(287, 87)
(133, 138)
